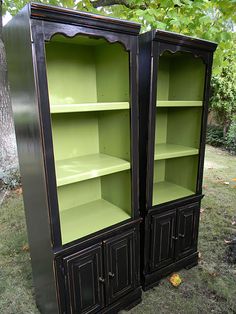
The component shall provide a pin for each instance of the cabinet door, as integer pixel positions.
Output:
(162, 240)
(120, 265)
(85, 283)
(188, 219)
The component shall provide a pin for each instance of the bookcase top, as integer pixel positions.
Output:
(179, 39)
(65, 15)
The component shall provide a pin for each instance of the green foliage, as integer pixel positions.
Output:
(215, 136)
(14, 6)
(231, 137)
(211, 20)
(223, 100)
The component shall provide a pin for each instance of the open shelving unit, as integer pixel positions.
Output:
(174, 73)
(180, 88)
(88, 82)
(77, 138)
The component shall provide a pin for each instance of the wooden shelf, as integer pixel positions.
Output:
(85, 219)
(178, 103)
(166, 191)
(165, 151)
(86, 167)
(89, 107)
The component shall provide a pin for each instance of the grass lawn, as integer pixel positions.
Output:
(208, 288)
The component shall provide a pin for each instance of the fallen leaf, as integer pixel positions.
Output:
(175, 280)
(234, 223)
(202, 210)
(227, 241)
(18, 191)
(199, 255)
(227, 183)
(213, 274)
(25, 248)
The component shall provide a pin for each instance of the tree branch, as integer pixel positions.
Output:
(104, 3)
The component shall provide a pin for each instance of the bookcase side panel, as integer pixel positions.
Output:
(21, 70)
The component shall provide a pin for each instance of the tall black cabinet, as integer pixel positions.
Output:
(73, 80)
(174, 78)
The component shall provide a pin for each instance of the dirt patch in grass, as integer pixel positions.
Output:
(208, 288)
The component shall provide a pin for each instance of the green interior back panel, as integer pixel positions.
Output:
(80, 210)
(83, 70)
(112, 69)
(178, 125)
(75, 134)
(114, 133)
(116, 189)
(169, 170)
(180, 77)
(85, 133)
(79, 193)
(183, 171)
(71, 73)
(184, 126)
(187, 76)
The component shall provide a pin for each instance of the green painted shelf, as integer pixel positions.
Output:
(178, 103)
(89, 107)
(165, 191)
(85, 219)
(87, 167)
(165, 151)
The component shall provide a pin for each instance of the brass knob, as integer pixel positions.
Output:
(102, 280)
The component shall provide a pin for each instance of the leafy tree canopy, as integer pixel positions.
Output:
(213, 20)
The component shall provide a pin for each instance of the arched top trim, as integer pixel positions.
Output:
(93, 37)
(175, 49)
(71, 31)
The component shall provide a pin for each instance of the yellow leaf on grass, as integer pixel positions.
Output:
(175, 280)
(25, 248)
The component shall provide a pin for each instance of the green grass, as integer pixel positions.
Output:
(208, 288)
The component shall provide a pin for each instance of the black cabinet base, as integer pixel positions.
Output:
(126, 303)
(151, 280)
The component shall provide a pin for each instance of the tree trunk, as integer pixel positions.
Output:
(8, 153)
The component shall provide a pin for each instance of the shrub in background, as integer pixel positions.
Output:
(215, 136)
(231, 137)
(223, 98)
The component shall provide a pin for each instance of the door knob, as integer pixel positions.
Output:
(102, 280)
(111, 274)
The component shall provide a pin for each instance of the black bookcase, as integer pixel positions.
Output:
(174, 78)
(73, 79)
